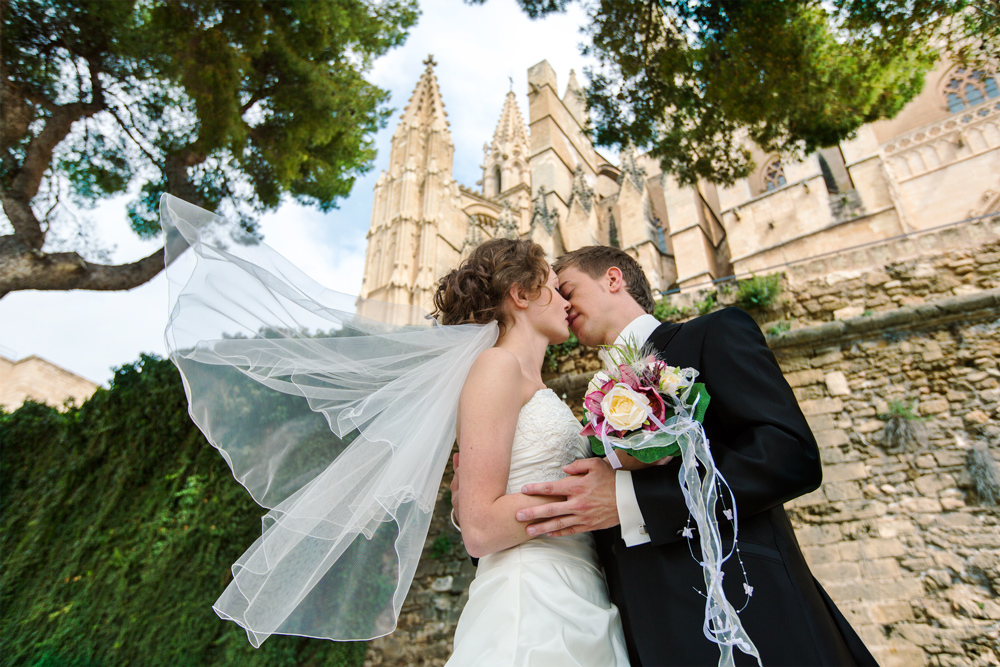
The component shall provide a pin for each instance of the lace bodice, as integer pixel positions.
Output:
(547, 438)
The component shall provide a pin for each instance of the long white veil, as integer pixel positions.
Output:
(340, 425)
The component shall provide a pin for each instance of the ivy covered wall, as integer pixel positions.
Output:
(118, 523)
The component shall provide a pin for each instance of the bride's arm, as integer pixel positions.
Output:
(487, 411)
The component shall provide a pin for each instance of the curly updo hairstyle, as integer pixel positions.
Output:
(476, 290)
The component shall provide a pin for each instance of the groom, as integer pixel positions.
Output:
(762, 446)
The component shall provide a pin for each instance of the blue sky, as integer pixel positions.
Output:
(476, 47)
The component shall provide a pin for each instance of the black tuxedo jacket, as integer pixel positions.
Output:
(763, 447)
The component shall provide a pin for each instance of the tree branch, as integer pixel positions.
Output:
(22, 268)
(38, 155)
(26, 226)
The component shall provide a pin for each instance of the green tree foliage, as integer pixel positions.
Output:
(225, 103)
(690, 80)
(117, 529)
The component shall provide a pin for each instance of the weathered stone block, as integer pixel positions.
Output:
(931, 485)
(852, 591)
(837, 571)
(847, 312)
(820, 422)
(947, 458)
(840, 491)
(869, 426)
(899, 589)
(891, 612)
(828, 358)
(976, 417)
(899, 655)
(804, 378)
(843, 472)
(822, 554)
(881, 568)
(933, 407)
(821, 406)
(876, 278)
(831, 438)
(951, 504)
(836, 383)
(817, 535)
(895, 528)
(957, 520)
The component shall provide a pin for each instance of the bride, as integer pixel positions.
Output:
(349, 511)
(534, 602)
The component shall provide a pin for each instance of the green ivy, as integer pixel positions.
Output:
(557, 353)
(118, 526)
(779, 329)
(441, 546)
(706, 305)
(665, 310)
(758, 292)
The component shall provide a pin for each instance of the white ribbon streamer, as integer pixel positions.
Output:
(722, 623)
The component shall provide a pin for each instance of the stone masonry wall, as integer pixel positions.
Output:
(900, 539)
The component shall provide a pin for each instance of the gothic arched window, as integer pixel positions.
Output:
(496, 177)
(774, 175)
(966, 88)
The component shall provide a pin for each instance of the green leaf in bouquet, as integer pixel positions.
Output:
(646, 455)
(699, 393)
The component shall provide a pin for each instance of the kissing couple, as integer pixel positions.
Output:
(578, 563)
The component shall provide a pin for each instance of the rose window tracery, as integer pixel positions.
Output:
(967, 88)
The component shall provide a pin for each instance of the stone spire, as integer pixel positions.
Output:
(505, 163)
(510, 132)
(425, 107)
(574, 99)
(412, 199)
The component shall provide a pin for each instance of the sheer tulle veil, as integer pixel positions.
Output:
(336, 421)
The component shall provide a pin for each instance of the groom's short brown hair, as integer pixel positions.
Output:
(595, 260)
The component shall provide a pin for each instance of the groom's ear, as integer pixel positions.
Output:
(614, 280)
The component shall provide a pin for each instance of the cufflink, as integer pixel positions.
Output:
(642, 530)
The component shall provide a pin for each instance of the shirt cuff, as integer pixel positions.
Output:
(632, 524)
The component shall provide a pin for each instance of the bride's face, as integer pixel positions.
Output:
(549, 311)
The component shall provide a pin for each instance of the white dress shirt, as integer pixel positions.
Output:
(632, 524)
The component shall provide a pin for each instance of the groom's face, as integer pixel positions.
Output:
(590, 303)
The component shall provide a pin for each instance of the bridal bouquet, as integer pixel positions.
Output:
(640, 405)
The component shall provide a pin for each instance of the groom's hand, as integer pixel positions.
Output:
(590, 501)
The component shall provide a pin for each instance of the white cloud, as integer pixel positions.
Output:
(476, 47)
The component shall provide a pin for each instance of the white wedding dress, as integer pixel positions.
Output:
(543, 603)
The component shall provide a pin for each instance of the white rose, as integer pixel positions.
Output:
(670, 382)
(624, 408)
(596, 382)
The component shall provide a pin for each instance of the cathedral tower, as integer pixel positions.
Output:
(413, 202)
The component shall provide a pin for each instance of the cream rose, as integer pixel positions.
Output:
(671, 381)
(624, 408)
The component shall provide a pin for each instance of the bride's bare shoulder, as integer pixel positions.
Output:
(494, 370)
(496, 360)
